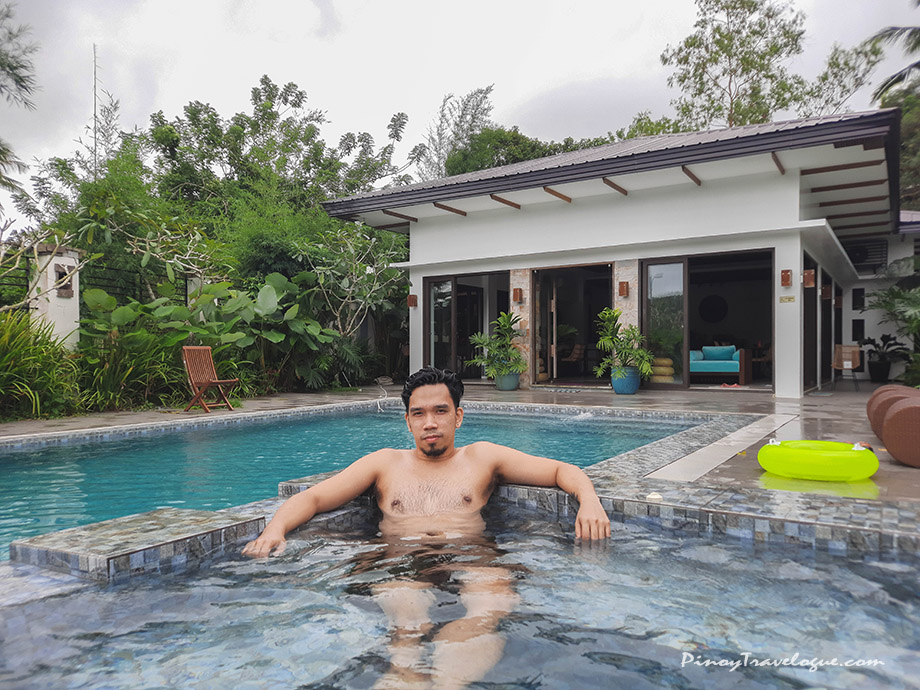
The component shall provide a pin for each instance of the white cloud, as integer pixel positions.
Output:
(560, 69)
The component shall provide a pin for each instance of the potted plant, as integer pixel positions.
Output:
(881, 353)
(627, 359)
(496, 352)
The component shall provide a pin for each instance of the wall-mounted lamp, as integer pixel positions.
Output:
(808, 278)
(517, 295)
(623, 288)
(413, 300)
(786, 278)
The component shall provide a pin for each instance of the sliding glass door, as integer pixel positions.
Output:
(440, 317)
(665, 320)
(456, 307)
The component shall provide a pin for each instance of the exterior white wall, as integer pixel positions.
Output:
(670, 214)
(59, 306)
(739, 214)
(899, 247)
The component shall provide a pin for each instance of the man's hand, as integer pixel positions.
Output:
(592, 522)
(265, 545)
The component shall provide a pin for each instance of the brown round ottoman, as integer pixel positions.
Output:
(883, 403)
(901, 431)
(877, 392)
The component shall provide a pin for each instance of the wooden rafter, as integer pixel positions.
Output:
(861, 225)
(506, 202)
(858, 214)
(613, 185)
(845, 166)
(868, 143)
(390, 226)
(400, 215)
(445, 207)
(863, 235)
(689, 173)
(558, 195)
(848, 185)
(846, 202)
(777, 163)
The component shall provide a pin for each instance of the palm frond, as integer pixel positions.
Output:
(896, 79)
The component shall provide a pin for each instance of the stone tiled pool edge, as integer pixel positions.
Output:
(836, 525)
(162, 541)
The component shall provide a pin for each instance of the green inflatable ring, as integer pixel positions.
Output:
(826, 461)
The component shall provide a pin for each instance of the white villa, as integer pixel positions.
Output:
(765, 237)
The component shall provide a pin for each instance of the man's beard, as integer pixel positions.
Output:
(434, 452)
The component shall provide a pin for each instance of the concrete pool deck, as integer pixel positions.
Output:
(699, 481)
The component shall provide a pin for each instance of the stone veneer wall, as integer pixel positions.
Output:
(628, 271)
(520, 278)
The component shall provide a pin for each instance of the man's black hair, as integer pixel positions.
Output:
(430, 376)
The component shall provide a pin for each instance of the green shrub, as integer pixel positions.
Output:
(38, 376)
(126, 358)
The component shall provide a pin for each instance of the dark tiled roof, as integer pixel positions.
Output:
(658, 151)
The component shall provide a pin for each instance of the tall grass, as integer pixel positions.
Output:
(38, 375)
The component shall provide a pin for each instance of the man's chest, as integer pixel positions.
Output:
(429, 493)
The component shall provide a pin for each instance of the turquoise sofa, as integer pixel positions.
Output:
(723, 361)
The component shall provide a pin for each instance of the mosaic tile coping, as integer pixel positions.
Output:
(162, 540)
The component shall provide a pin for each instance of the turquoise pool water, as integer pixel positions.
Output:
(54, 488)
(642, 611)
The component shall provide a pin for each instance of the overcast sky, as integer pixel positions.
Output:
(579, 69)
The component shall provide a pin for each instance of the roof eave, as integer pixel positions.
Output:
(882, 123)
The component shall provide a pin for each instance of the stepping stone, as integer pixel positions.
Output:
(163, 540)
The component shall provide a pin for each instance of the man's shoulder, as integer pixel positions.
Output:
(384, 454)
(485, 449)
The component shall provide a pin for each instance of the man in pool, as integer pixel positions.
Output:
(432, 534)
(435, 490)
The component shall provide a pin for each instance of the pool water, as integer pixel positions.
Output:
(54, 488)
(627, 614)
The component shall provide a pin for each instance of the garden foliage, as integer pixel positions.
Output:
(37, 374)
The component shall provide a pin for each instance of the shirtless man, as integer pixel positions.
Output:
(431, 498)
(435, 490)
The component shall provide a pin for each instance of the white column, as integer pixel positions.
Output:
(788, 323)
(416, 322)
(59, 306)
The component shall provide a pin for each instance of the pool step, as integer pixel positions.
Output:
(163, 540)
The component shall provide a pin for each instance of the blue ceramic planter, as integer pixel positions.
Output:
(628, 383)
(508, 382)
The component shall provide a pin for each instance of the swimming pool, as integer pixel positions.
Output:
(628, 615)
(216, 467)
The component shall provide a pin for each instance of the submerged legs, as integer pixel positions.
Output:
(464, 649)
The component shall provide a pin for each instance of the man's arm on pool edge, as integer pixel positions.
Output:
(516, 467)
(329, 494)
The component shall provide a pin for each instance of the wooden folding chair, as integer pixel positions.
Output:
(846, 358)
(202, 377)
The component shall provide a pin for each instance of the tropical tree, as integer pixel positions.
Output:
(644, 125)
(17, 84)
(204, 162)
(845, 73)
(907, 98)
(909, 38)
(458, 120)
(732, 70)
(494, 146)
(354, 271)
